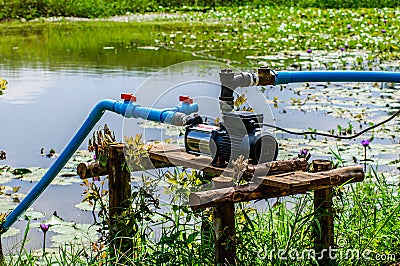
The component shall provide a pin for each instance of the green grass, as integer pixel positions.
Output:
(367, 217)
(29, 9)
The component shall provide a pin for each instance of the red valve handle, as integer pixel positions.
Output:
(185, 99)
(128, 97)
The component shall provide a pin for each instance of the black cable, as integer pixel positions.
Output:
(330, 135)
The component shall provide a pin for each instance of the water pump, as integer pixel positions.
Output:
(239, 134)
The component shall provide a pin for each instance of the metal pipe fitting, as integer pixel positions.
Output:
(265, 76)
(231, 81)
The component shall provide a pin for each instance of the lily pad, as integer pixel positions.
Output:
(56, 220)
(11, 232)
(6, 204)
(34, 215)
(4, 179)
(85, 206)
(65, 181)
(75, 234)
(21, 171)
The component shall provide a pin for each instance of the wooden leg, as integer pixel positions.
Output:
(2, 262)
(323, 229)
(324, 235)
(224, 227)
(119, 185)
(206, 225)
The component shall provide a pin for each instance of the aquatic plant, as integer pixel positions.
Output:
(304, 153)
(99, 143)
(44, 228)
(365, 143)
(3, 85)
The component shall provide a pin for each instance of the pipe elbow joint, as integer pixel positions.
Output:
(243, 79)
(232, 81)
(100, 108)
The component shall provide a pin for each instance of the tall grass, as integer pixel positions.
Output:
(29, 9)
(367, 218)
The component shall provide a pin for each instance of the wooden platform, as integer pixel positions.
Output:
(175, 155)
(273, 179)
(267, 180)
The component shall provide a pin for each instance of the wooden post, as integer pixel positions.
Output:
(119, 185)
(323, 234)
(206, 227)
(2, 261)
(224, 226)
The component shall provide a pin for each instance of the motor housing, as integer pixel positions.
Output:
(240, 133)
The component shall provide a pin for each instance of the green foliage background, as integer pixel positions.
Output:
(29, 9)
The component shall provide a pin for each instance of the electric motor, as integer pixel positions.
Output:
(239, 134)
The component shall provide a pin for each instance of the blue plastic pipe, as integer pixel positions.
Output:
(286, 77)
(124, 108)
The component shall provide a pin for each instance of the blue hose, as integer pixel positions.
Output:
(56, 167)
(124, 108)
(286, 77)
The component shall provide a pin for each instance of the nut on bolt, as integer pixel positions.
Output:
(226, 70)
(266, 76)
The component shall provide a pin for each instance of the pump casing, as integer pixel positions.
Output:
(240, 133)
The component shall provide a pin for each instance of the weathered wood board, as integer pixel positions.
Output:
(276, 186)
(176, 155)
(272, 179)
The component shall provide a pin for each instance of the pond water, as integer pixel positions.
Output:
(58, 71)
(56, 74)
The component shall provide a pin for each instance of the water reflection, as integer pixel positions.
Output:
(98, 46)
(44, 109)
(28, 85)
(57, 73)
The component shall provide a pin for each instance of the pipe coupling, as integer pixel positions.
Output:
(265, 76)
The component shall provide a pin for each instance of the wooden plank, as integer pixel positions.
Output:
(299, 178)
(177, 156)
(283, 181)
(165, 147)
(274, 167)
(173, 154)
(280, 187)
